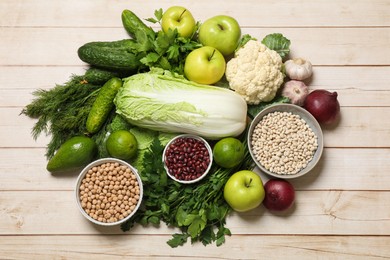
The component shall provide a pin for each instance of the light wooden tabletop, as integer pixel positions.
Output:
(342, 208)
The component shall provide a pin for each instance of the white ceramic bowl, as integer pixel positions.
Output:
(81, 177)
(311, 122)
(164, 157)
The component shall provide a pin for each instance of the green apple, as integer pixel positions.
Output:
(244, 191)
(178, 17)
(221, 32)
(205, 65)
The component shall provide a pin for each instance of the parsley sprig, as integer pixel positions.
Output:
(198, 210)
(166, 50)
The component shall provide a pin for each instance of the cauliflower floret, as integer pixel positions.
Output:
(255, 72)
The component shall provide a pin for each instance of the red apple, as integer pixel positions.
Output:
(279, 195)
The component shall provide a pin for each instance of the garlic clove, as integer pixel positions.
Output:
(298, 68)
(296, 91)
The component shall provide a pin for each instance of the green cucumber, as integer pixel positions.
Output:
(103, 105)
(125, 44)
(117, 55)
(133, 24)
(98, 76)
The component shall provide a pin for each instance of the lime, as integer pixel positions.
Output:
(122, 144)
(228, 152)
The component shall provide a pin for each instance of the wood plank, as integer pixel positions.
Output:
(53, 212)
(20, 126)
(30, 78)
(358, 127)
(154, 247)
(338, 46)
(249, 13)
(348, 169)
(23, 81)
(356, 86)
(339, 169)
(330, 212)
(30, 173)
(362, 78)
(335, 47)
(18, 98)
(368, 78)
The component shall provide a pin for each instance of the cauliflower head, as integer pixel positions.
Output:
(255, 72)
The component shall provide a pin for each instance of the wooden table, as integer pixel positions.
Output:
(342, 208)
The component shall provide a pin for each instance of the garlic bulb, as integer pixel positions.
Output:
(296, 91)
(298, 69)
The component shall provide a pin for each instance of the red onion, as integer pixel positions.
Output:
(279, 195)
(323, 105)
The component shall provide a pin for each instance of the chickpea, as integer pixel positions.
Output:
(109, 192)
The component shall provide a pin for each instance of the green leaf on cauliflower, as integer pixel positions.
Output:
(244, 39)
(278, 43)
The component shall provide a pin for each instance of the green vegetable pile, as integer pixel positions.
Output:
(198, 211)
(180, 206)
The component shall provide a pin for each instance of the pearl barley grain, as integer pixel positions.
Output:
(105, 202)
(283, 142)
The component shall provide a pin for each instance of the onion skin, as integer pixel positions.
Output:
(279, 195)
(323, 105)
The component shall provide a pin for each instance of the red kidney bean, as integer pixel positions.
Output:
(187, 158)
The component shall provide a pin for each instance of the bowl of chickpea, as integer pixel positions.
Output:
(108, 191)
(285, 141)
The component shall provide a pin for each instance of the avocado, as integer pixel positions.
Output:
(76, 152)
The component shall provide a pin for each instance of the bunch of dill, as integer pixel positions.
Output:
(62, 111)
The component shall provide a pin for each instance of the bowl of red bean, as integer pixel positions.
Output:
(108, 191)
(187, 158)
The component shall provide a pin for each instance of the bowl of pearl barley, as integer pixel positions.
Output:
(108, 191)
(285, 141)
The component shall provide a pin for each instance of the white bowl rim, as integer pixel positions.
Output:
(195, 137)
(99, 162)
(309, 119)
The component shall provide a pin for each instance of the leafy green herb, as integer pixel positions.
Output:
(278, 43)
(158, 16)
(168, 50)
(178, 239)
(198, 210)
(61, 111)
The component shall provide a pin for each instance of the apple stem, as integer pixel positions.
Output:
(212, 54)
(250, 181)
(182, 14)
